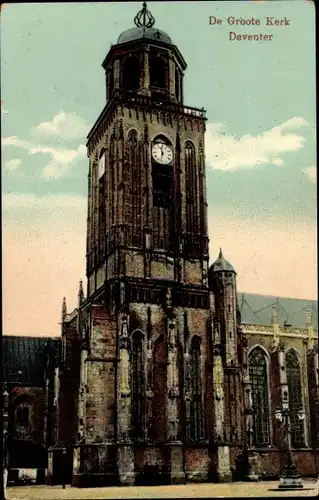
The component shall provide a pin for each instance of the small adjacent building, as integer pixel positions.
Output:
(27, 397)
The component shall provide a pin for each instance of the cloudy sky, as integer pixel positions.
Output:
(260, 143)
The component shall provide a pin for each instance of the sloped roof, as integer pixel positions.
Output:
(221, 264)
(24, 359)
(256, 310)
(138, 33)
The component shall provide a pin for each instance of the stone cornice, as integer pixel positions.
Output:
(287, 331)
(122, 98)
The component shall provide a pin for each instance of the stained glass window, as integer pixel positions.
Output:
(196, 433)
(295, 399)
(138, 399)
(258, 375)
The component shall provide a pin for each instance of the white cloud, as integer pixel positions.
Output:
(311, 172)
(61, 161)
(66, 126)
(14, 141)
(277, 161)
(13, 166)
(226, 152)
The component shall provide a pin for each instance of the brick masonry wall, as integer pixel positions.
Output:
(197, 464)
(101, 366)
(69, 387)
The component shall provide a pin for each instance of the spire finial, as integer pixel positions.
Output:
(80, 293)
(308, 318)
(144, 18)
(220, 256)
(64, 309)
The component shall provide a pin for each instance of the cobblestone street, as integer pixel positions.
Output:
(206, 490)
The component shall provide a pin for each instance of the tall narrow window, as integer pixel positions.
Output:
(196, 399)
(295, 399)
(162, 185)
(177, 84)
(134, 175)
(138, 400)
(130, 75)
(258, 374)
(110, 83)
(162, 178)
(191, 189)
(158, 73)
(102, 204)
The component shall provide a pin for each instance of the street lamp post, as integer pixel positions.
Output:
(290, 477)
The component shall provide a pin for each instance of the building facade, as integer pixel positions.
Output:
(165, 373)
(27, 405)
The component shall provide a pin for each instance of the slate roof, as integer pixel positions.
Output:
(221, 264)
(24, 359)
(256, 310)
(140, 33)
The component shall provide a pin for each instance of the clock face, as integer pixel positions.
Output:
(162, 153)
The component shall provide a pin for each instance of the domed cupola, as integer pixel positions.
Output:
(144, 22)
(145, 62)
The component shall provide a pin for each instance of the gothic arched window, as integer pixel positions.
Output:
(130, 74)
(191, 188)
(162, 180)
(177, 84)
(258, 374)
(110, 83)
(196, 430)
(158, 73)
(138, 393)
(23, 421)
(102, 198)
(295, 398)
(135, 188)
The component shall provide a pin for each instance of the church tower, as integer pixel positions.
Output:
(228, 354)
(146, 319)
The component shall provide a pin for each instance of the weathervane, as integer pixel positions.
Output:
(144, 18)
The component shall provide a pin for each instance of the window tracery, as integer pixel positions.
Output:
(196, 429)
(258, 374)
(295, 399)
